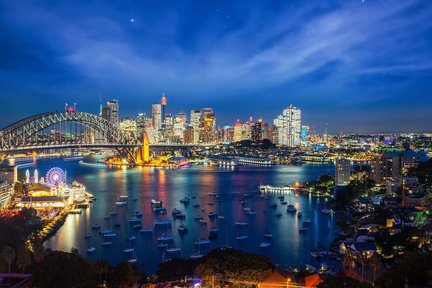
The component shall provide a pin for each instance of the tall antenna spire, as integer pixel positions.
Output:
(100, 105)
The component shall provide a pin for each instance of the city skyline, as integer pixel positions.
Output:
(360, 66)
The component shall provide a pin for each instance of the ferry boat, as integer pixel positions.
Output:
(128, 250)
(269, 188)
(242, 237)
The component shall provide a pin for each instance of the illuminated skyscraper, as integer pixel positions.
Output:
(157, 116)
(289, 127)
(238, 131)
(111, 111)
(256, 131)
(207, 133)
(195, 123)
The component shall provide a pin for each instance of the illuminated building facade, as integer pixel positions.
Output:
(343, 171)
(188, 137)
(385, 166)
(207, 133)
(289, 127)
(256, 131)
(195, 117)
(305, 134)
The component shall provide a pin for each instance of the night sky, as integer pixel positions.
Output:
(360, 66)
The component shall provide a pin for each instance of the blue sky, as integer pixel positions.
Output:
(360, 66)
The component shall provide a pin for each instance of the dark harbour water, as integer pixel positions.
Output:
(289, 246)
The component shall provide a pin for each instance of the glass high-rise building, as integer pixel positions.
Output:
(157, 116)
(289, 127)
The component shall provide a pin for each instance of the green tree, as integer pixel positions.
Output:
(38, 252)
(61, 269)
(414, 267)
(375, 262)
(348, 260)
(233, 266)
(122, 276)
(8, 254)
(23, 258)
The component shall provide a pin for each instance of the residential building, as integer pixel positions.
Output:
(289, 127)
(342, 171)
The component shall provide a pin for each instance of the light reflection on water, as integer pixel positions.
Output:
(107, 184)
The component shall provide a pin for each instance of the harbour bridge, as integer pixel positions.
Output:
(69, 130)
(61, 130)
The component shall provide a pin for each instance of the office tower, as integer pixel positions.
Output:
(289, 127)
(163, 104)
(188, 137)
(195, 117)
(110, 112)
(256, 131)
(180, 126)
(238, 131)
(140, 121)
(207, 133)
(342, 171)
(169, 120)
(225, 134)
(157, 116)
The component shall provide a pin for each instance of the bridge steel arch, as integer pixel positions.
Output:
(18, 134)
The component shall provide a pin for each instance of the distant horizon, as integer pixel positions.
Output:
(357, 65)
